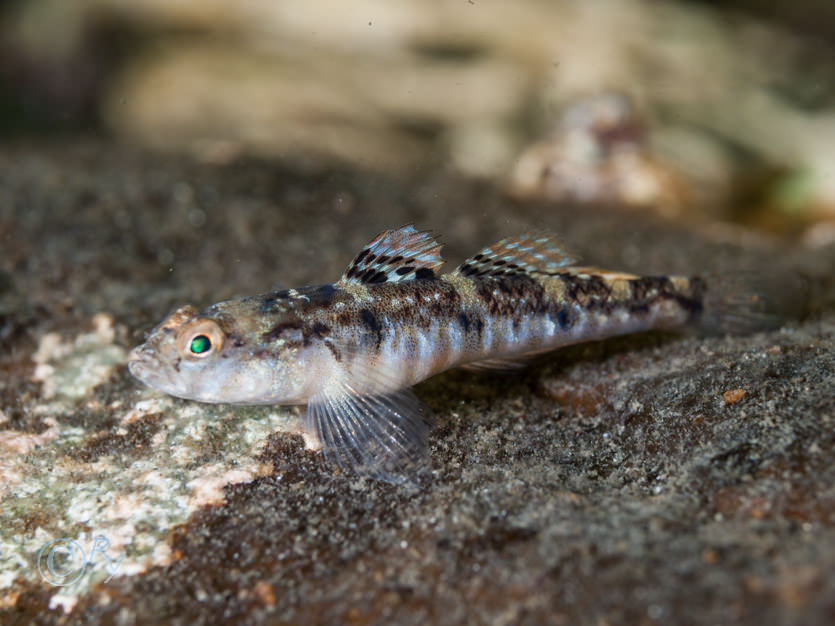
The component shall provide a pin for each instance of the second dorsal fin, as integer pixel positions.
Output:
(531, 253)
(396, 255)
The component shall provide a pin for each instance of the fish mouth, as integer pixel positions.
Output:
(141, 364)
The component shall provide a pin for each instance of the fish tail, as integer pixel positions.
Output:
(750, 301)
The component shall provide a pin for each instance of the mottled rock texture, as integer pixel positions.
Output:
(652, 479)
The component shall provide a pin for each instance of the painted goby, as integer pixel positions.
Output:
(351, 350)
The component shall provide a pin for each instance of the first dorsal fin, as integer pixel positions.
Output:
(396, 255)
(531, 253)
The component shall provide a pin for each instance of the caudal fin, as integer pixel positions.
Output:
(751, 301)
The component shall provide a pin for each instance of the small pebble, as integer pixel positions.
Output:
(732, 396)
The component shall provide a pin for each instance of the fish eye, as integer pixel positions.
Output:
(200, 338)
(200, 344)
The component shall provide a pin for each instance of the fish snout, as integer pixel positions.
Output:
(142, 360)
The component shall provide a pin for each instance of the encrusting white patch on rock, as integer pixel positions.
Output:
(72, 369)
(209, 489)
(16, 442)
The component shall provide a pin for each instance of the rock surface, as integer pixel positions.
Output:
(648, 479)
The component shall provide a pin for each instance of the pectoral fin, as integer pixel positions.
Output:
(382, 436)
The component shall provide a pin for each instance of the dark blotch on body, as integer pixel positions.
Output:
(372, 324)
(592, 292)
(512, 296)
(320, 329)
(648, 290)
(294, 330)
(564, 319)
(471, 322)
(268, 304)
(282, 328)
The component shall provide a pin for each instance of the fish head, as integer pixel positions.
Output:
(213, 356)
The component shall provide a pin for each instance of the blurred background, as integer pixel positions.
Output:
(699, 111)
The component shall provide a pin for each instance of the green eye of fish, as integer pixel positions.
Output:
(200, 338)
(200, 344)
